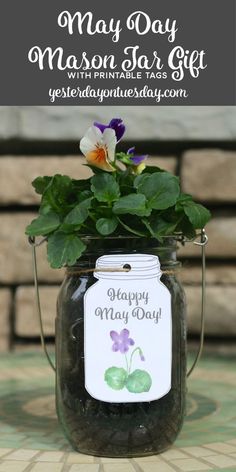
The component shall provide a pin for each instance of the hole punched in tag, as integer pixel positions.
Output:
(127, 267)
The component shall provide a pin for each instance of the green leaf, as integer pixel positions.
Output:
(64, 249)
(131, 230)
(186, 228)
(133, 204)
(140, 180)
(94, 169)
(152, 170)
(105, 187)
(160, 227)
(79, 214)
(45, 209)
(84, 195)
(197, 214)
(43, 225)
(183, 199)
(81, 184)
(40, 184)
(57, 194)
(115, 377)
(161, 189)
(106, 226)
(139, 381)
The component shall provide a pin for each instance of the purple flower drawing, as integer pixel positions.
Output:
(121, 342)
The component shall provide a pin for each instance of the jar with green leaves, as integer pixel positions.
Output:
(120, 325)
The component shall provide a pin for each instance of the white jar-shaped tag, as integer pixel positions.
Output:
(128, 331)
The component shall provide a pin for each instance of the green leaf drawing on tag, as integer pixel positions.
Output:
(139, 381)
(115, 377)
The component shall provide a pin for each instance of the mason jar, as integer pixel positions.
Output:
(122, 410)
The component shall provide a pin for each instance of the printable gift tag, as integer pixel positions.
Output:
(128, 331)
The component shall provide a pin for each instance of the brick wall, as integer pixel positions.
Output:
(207, 170)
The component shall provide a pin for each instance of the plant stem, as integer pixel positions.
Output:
(131, 357)
(127, 364)
(131, 230)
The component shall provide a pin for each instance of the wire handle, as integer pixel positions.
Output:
(202, 243)
(37, 297)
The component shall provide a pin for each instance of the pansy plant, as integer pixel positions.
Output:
(125, 196)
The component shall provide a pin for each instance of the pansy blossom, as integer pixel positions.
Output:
(137, 160)
(99, 147)
(116, 124)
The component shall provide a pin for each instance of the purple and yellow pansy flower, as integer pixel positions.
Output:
(137, 160)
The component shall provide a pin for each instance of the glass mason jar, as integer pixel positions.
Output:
(124, 429)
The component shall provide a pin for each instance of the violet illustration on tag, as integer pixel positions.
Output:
(117, 378)
(127, 330)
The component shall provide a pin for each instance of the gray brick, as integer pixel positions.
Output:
(218, 274)
(5, 301)
(27, 323)
(210, 175)
(66, 123)
(222, 240)
(220, 310)
(15, 252)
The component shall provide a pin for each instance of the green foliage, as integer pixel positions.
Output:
(105, 188)
(43, 225)
(115, 377)
(56, 195)
(40, 184)
(132, 204)
(197, 214)
(118, 203)
(159, 227)
(161, 189)
(78, 215)
(106, 226)
(64, 249)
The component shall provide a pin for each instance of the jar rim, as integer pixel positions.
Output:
(98, 246)
(176, 237)
(169, 242)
